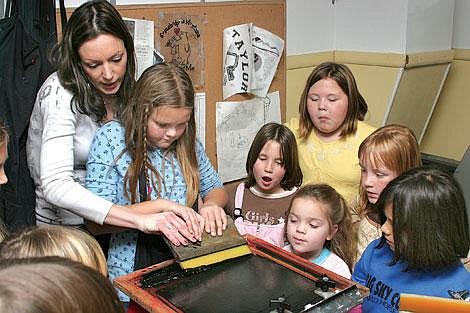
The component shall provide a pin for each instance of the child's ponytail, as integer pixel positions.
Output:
(344, 241)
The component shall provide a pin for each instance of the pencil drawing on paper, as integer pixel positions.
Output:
(236, 126)
(180, 40)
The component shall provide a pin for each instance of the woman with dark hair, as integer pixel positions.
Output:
(96, 73)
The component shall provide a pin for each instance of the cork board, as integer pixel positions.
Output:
(210, 19)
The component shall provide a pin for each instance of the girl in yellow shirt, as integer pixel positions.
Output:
(330, 129)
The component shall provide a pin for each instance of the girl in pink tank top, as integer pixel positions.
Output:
(259, 205)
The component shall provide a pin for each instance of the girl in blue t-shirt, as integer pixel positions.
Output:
(153, 154)
(424, 235)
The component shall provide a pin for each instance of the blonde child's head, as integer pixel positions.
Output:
(52, 240)
(424, 220)
(384, 155)
(319, 217)
(160, 115)
(272, 163)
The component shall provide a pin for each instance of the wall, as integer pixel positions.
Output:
(461, 35)
(310, 27)
(75, 3)
(429, 25)
(376, 82)
(400, 63)
(371, 25)
(415, 98)
(376, 38)
(448, 133)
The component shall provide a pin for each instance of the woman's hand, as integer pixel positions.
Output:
(170, 225)
(194, 221)
(175, 221)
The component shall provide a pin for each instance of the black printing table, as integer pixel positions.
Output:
(269, 280)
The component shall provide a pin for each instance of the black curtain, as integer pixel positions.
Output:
(27, 35)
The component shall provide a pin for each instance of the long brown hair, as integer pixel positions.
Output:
(160, 85)
(342, 75)
(290, 160)
(394, 147)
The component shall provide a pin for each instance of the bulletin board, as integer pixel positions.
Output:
(210, 19)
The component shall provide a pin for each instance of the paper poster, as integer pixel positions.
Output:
(179, 40)
(237, 123)
(142, 33)
(251, 56)
(200, 116)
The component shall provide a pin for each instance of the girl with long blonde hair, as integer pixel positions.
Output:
(153, 154)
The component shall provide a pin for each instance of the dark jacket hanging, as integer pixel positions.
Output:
(26, 38)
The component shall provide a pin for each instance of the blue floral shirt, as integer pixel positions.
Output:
(106, 168)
